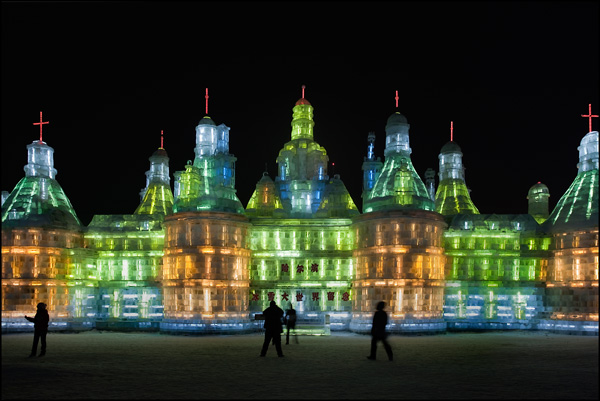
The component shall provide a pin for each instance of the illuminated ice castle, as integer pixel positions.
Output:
(195, 261)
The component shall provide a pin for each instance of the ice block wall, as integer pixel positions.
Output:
(495, 272)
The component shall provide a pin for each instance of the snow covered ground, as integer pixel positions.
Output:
(491, 365)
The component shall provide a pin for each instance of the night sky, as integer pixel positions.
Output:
(515, 77)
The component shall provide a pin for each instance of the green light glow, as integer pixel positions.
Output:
(452, 197)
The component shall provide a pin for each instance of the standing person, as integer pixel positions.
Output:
(273, 328)
(290, 322)
(40, 326)
(380, 319)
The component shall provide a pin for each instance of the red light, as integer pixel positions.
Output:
(303, 87)
(397, 99)
(589, 116)
(206, 97)
(451, 131)
(40, 124)
(161, 139)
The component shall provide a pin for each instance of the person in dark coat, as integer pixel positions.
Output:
(273, 328)
(378, 333)
(40, 327)
(290, 322)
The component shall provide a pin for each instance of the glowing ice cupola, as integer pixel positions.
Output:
(264, 201)
(302, 165)
(578, 207)
(157, 197)
(38, 199)
(537, 198)
(209, 183)
(398, 186)
(452, 196)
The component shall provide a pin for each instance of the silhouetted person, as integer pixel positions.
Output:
(40, 326)
(273, 328)
(378, 333)
(290, 322)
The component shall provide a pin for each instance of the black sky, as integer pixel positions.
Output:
(515, 77)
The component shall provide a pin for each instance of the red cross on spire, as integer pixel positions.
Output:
(396, 99)
(161, 139)
(451, 131)
(303, 87)
(206, 98)
(46, 122)
(589, 116)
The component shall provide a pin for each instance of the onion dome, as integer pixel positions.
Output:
(450, 147)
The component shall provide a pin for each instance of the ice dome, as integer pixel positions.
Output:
(302, 101)
(160, 152)
(450, 147)
(537, 189)
(397, 118)
(206, 120)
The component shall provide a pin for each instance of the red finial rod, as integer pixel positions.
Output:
(41, 123)
(396, 99)
(589, 116)
(451, 131)
(161, 139)
(303, 87)
(206, 97)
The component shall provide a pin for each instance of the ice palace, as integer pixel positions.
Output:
(194, 260)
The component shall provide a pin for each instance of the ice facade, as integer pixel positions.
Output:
(195, 261)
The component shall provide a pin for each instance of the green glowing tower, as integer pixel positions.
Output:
(452, 196)
(398, 184)
(157, 197)
(208, 184)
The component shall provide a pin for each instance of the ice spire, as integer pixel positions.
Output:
(157, 197)
(264, 201)
(302, 121)
(452, 196)
(430, 182)
(386, 190)
(371, 168)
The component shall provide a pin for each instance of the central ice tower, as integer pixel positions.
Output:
(302, 165)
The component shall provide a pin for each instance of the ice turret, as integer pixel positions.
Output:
(157, 196)
(302, 166)
(578, 207)
(538, 202)
(208, 183)
(337, 202)
(264, 201)
(371, 168)
(38, 199)
(452, 196)
(398, 172)
(430, 182)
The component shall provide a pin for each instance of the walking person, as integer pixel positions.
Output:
(290, 322)
(378, 332)
(40, 326)
(273, 328)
